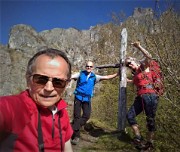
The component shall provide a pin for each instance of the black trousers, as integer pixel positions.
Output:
(80, 118)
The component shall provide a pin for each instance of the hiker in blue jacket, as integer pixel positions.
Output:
(86, 81)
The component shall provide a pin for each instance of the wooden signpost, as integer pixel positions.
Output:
(122, 82)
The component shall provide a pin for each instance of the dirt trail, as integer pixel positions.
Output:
(89, 137)
(86, 141)
(89, 140)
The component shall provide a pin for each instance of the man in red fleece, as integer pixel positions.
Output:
(36, 119)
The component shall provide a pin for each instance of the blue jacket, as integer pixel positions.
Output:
(85, 86)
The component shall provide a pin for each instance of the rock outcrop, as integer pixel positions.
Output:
(79, 45)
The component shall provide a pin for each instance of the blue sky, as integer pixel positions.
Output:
(49, 14)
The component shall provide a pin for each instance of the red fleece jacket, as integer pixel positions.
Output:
(19, 123)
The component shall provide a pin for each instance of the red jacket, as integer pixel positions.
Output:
(19, 123)
(143, 81)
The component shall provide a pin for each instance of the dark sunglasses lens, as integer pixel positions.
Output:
(40, 79)
(58, 83)
(128, 64)
(89, 66)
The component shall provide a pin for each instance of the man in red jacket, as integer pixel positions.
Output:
(36, 119)
(146, 99)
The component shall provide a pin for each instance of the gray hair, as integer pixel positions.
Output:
(50, 53)
(129, 59)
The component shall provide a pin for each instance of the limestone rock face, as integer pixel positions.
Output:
(25, 38)
(142, 12)
(12, 71)
(144, 16)
(24, 42)
(79, 45)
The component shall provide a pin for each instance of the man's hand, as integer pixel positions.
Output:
(136, 44)
(129, 80)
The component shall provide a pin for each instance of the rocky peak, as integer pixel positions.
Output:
(141, 12)
(80, 46)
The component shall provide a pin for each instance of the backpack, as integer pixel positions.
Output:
(157, 77)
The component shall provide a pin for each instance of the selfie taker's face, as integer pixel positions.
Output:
(48, 81)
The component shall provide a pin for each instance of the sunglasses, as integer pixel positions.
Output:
(128, 63)
(42, 80)
(87, 66)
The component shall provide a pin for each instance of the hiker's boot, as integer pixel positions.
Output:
(139, 142)
(75, 141)
(148, 146)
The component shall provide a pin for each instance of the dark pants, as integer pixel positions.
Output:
(148, 103)
(80, 120)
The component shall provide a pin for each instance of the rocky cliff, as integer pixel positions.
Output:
(80, 46)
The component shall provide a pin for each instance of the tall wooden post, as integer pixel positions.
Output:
(122, 83)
